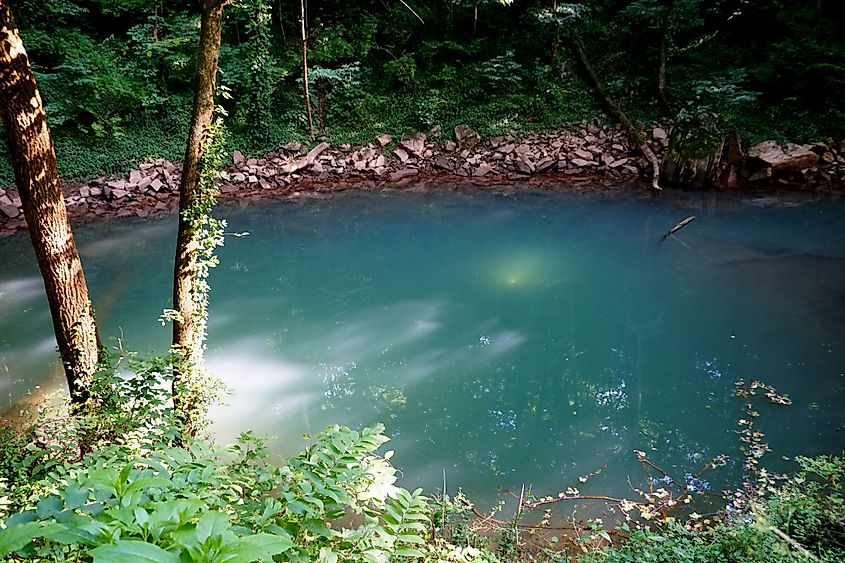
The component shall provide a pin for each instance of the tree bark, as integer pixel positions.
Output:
(616, 112)
(186, 326)
(37, 178)
(304, 43)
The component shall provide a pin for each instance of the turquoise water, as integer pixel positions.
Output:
(508, 340)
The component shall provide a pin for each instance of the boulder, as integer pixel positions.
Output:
(659, 134)
(414, 144)
(155, 185)
(135, 177)
(466, 137)
(789, 158)
(144, 183)
(293, 146)
(238, 158)
(384, 139)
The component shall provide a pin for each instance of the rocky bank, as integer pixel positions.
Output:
(587, 153)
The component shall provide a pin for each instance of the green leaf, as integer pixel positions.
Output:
(15, 538)
(211, 524)
(253, 548)
(131, 551)
(48, 507)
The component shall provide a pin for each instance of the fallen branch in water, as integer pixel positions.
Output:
(678, 227)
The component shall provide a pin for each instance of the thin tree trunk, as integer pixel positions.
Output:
(186, 325)
(663, 56)
(557, 35)
(304, 40)
(474, 19)
(155, 20)
(616, 112)
(37, 178)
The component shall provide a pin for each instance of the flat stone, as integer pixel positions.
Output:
(84, 191)
(155, 185)
(116, 184)
(237, 158)
(384, 139)
(401, 154)
(789, 158)
(659, 134)
(582, 154)
(482, 169)
(546, 164)
(144, 183)
(9, 211)
(135, 177)
(119, 194)
(505, 149)
(95, 191)
(292, 167)
(580, 162)
(450, 146)
(402, 174)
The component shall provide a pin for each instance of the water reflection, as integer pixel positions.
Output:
(507, 341)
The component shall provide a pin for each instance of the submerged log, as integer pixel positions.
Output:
(678, 227)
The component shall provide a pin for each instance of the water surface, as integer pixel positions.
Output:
(528, 339)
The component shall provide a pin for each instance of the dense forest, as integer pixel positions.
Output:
(116, 75)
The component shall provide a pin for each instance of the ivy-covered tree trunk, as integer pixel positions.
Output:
(37, 178)
(188, 326)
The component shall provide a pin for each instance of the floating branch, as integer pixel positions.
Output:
(678, 227)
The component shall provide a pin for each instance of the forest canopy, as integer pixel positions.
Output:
(116, 74)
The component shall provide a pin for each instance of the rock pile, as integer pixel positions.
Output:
(585, 150)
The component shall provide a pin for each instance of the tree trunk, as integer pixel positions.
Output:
(186, 326)
(616, 112)
(304, 40)
(663, 56)
(37, 178)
